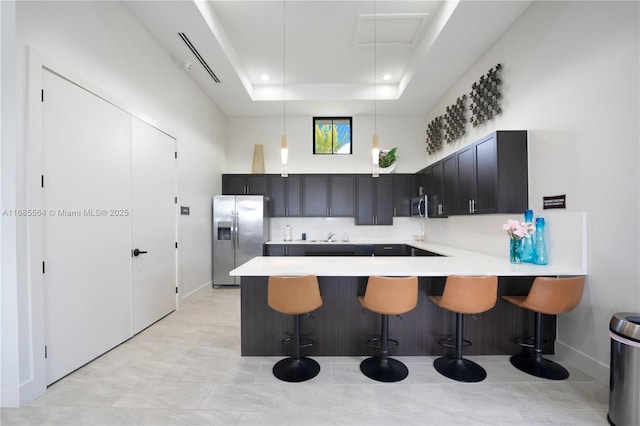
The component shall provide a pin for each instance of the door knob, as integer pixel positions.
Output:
(137, 252)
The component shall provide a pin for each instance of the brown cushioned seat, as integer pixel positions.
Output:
(294, 295)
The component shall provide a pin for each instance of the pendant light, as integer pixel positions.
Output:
(284, 146)
(375, 146)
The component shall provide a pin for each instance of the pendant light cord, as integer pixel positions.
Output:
(284, 62)
(375, 71)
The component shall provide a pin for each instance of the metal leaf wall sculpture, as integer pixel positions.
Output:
(455, 120)
(485, 97)
(485, 104)
(434, 135)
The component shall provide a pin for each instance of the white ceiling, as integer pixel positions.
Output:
(322, 52)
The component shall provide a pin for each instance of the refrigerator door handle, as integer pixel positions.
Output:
(233, 229)
(237, 231)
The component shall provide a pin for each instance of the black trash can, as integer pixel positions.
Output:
(624, 376)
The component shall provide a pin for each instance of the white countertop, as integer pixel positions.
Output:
(453, 262)
(341, 242)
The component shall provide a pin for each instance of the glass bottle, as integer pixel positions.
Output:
(541, 247)
(528, 244)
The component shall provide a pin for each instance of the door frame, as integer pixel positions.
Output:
(33, 309)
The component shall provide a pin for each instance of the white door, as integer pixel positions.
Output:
(153, 223)
(86, 243)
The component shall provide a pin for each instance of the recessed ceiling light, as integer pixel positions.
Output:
(264, 77)
(386, 77)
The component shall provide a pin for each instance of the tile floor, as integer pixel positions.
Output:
(186, 369)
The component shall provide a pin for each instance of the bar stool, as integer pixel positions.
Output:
(295, 296)
(387, 296)
(550, 296)
(464, 295)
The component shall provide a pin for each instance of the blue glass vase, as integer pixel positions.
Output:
(515, 250)
(541, 247)
(528, 244)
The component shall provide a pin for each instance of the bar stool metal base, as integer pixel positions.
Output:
(461, 370)
(296, 369)
(539, 367)
(384, 369)
(533, 363)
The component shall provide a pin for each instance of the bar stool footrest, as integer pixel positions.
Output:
(461, 370)
(528, 341)
(450, 342)
(304, 343)
(296, 369)
(384, 369)
(539, 367)
(374, 342)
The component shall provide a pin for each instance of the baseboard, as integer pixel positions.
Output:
(580, 360)
(193, 295)
(9, 397)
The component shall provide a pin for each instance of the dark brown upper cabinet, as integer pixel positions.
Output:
(328, 195)
(285, 199)
(374, 205)
(403, 191)
(493, 174)
(245, 184)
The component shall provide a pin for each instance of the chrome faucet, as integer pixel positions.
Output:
(331, 234)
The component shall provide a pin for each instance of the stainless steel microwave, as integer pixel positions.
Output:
(419, 206)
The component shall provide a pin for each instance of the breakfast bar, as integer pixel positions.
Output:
(340, 327)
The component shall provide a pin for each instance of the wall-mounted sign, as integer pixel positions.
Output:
(554, 202)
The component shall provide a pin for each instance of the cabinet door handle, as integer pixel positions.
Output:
(473, 206)
(440, 209)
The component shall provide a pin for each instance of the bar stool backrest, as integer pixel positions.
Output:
(294, 295)
(469, 295)
(553, 296)
(391, 295)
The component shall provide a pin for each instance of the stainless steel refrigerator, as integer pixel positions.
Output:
(240, 229)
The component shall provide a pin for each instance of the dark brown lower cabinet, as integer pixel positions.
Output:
(340, 327)
(284, 249)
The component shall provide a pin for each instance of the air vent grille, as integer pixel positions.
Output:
(206, 66)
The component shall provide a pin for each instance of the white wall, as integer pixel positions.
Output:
(318, 228)
(9, 369)
(405, 132)
(570, 77)
(106, 46)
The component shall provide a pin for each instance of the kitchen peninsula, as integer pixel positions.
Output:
(340, 327)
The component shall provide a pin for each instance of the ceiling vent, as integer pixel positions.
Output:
(191, 47)
(391, 28)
